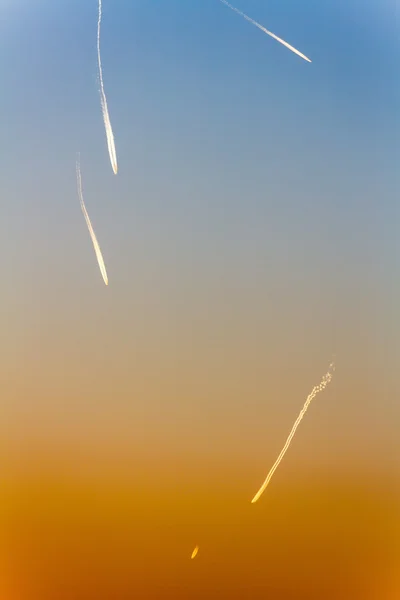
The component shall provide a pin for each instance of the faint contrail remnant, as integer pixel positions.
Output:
(194, 553)
(88, 223)
(239, 12)
(318, 388)
(103, 100)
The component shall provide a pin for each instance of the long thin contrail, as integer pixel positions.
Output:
(239, 12)
(318, 388)
(103, 100)
(96, 246)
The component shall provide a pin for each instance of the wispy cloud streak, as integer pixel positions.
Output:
(96, 246)
(103, 101)
(253, 22)
(318, 388)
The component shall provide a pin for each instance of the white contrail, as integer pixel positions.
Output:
(103, 100)
(239, 12)
(318, 388)
(96, 246)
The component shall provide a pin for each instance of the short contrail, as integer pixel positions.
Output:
(103, 101)
(194, 553)
(318, 388)
(88, 223)
(239, 12)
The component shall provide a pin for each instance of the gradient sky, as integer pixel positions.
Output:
(251, 234)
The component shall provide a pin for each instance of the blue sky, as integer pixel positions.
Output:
(251, 235)
(240, 164)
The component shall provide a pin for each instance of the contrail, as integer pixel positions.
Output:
(88, 223)
(318, 388)
(239, 12)
(103, 101)
(194, 553)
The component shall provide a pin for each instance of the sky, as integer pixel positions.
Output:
(250, 237)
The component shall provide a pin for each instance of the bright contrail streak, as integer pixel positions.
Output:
(96, 246)
(103, 100)
(239, 12)
(318, 388)
(194, 553)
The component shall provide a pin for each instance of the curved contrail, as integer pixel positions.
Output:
(239, 12)
(318, 388)
(103, 101)
(96, 246)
